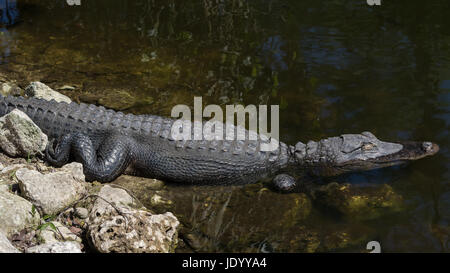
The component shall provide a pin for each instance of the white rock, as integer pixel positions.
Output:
(52, 192)
(19, 136)
(49, 235)
(7, 88)
(11, 168)
(42, 91)
(82, 213)
(131, 230)
(16, 213)
(4, 186)
(158, 200)
(116, 196)
(57, 247)
(6, 246)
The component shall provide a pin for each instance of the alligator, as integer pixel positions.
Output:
(110, 143)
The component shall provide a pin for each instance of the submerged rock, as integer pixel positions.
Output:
(42, 91)
(304, 240)
(151, 191)
(115, 226)
(236, 218)
(362, 203)
(16, 213)
(341, 237)
(139, 185)
(6, 246)
(52, 192)
(110, 96)
(19, 136)
(10, 89)
(57, 247)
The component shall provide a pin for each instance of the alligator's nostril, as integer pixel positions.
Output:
(427, 146)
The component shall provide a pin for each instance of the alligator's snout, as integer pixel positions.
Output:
(411, 150)
(358, 152)
(430, 148)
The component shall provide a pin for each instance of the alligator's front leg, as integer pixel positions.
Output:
(284, 182)
(103, 165)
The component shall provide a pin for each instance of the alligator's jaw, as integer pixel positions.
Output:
(358, 152)
(410, 151)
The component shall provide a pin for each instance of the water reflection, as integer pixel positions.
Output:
(9, 13)
(274, 54)
(9, 16)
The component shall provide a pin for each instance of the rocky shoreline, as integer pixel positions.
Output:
(54, 210)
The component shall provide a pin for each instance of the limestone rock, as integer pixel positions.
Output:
(49, 235)
(82, 213)
(125, 229)
(11, 168)
(7, 88)
(57, 247)
(42, 91)
(116, 196)
(19, 136)
(360, 203)
(16, 213)
(52, 192)
(6, 246)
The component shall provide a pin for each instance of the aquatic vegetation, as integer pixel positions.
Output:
(359, 203)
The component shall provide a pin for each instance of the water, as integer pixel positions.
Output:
(333, 67)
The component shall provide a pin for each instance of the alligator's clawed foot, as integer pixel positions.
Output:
(53, 154)
(50, 150)
(58, 153)
(284, 183)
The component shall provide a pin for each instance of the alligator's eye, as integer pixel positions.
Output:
(368, 146)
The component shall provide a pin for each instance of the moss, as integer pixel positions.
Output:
(304, 240)
(300, 209)
(360, 203)
(118, 99)
(342, 237)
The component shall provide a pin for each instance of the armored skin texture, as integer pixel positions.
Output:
(110, 143)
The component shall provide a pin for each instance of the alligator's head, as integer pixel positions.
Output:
(358, 152)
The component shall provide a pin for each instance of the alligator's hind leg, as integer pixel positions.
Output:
(104, 164)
